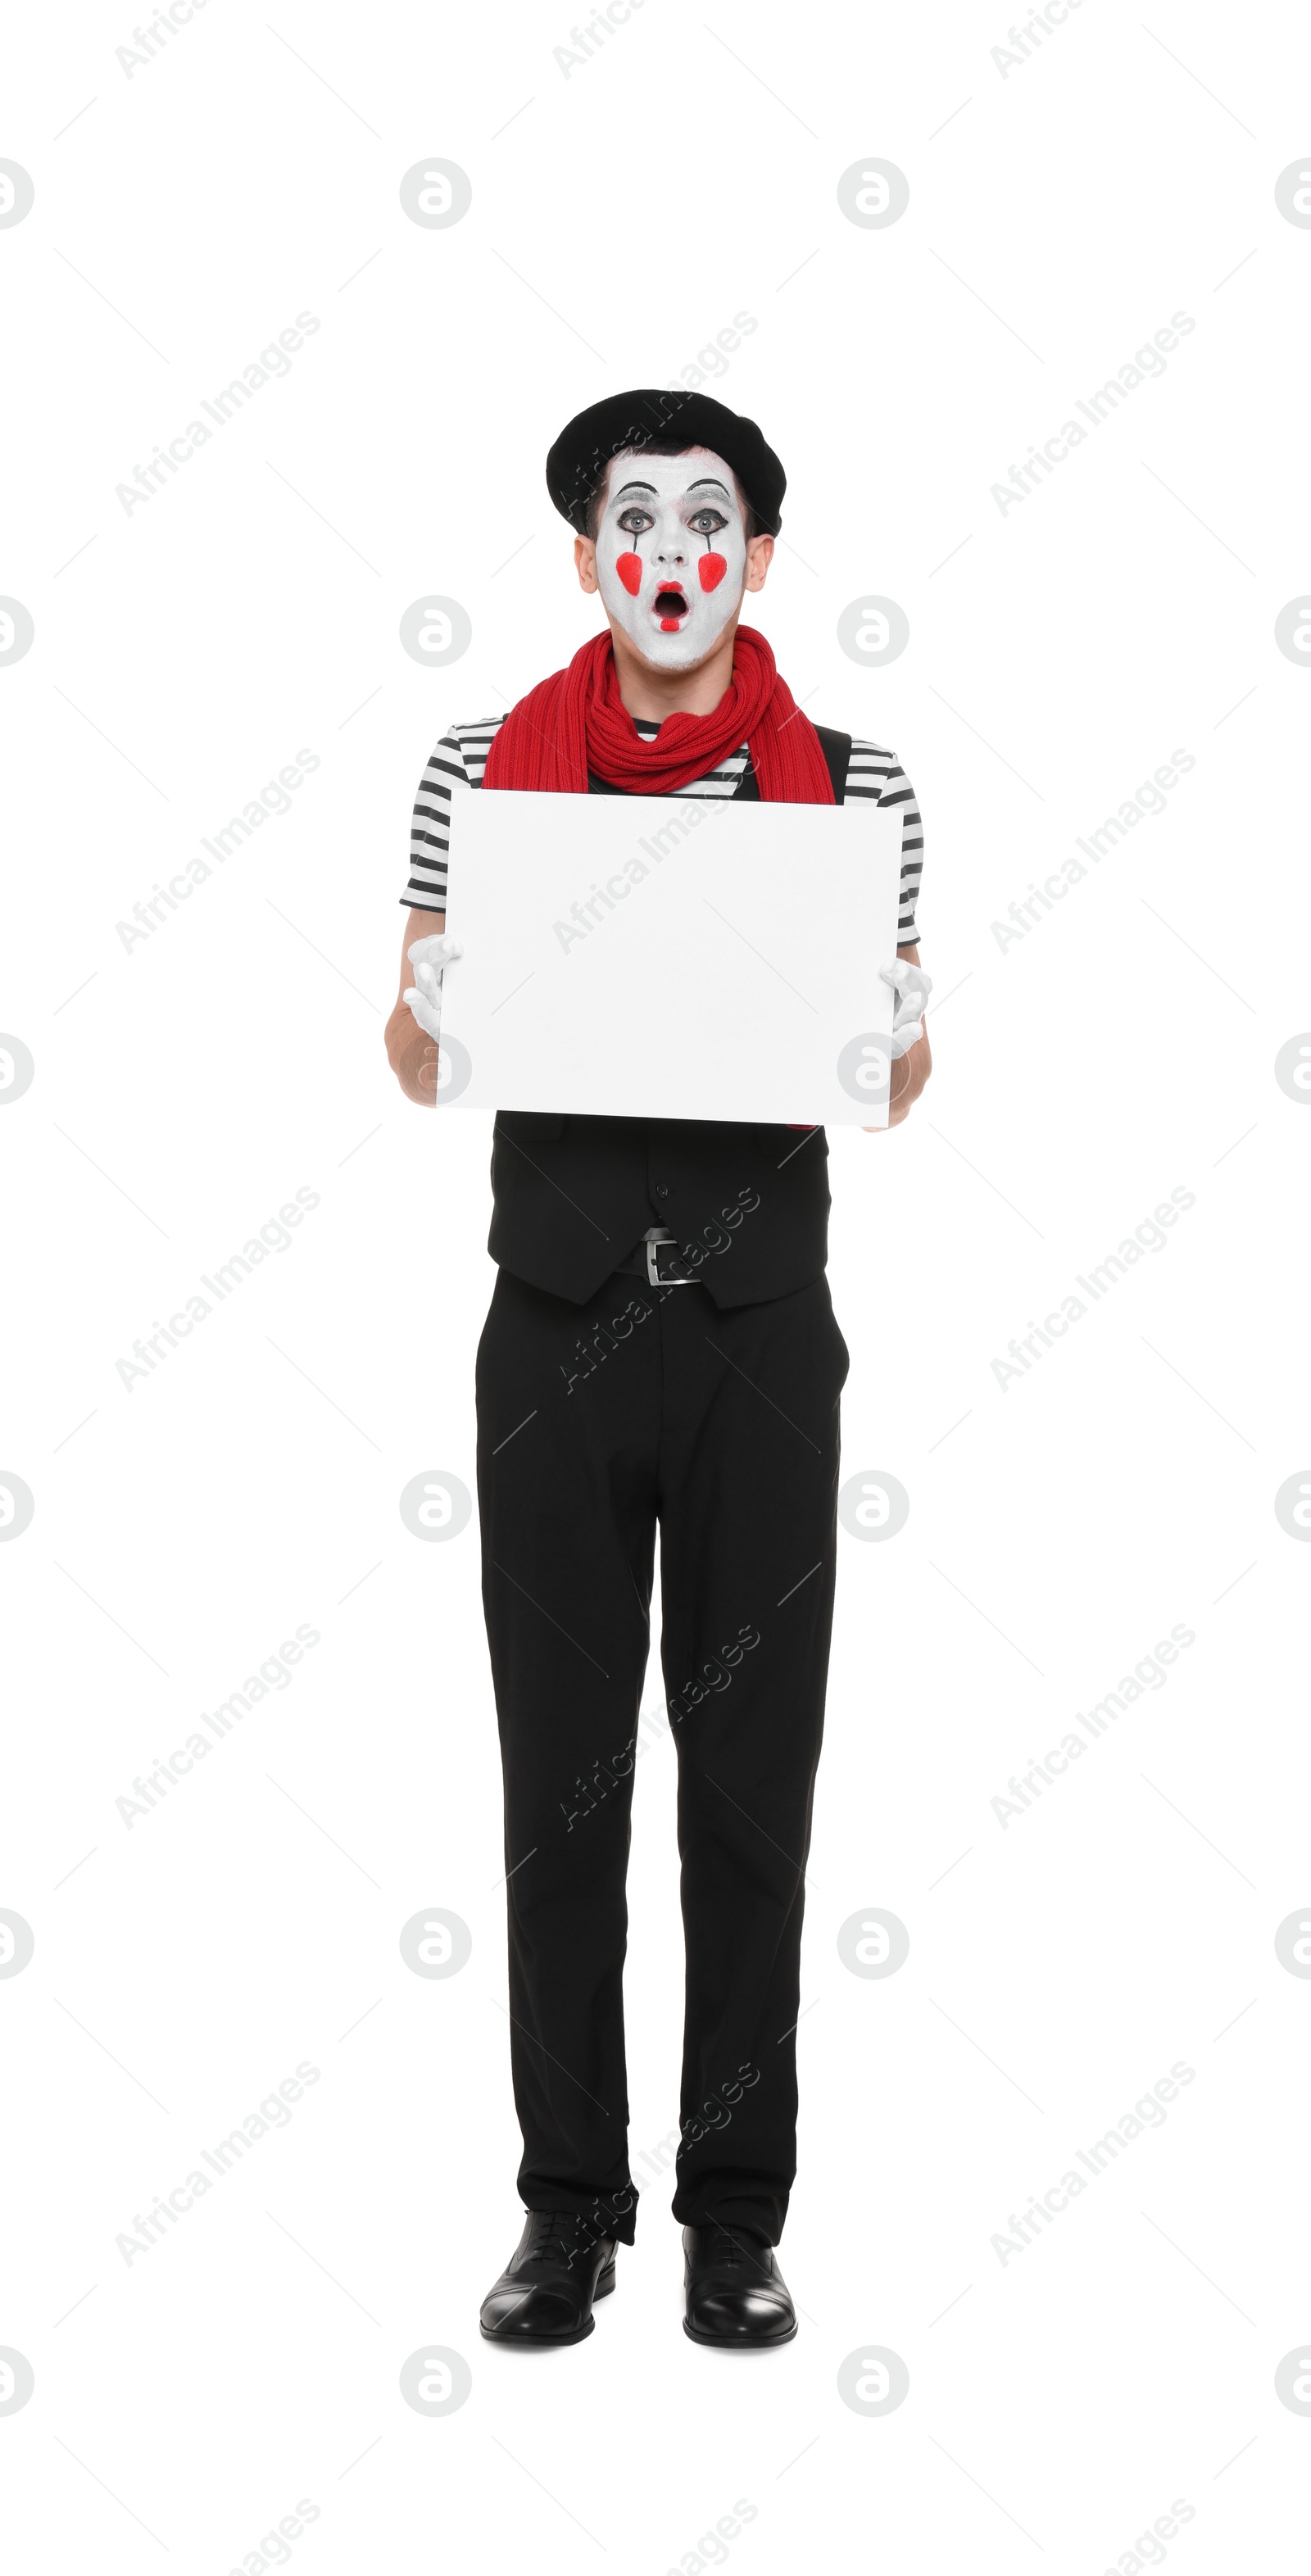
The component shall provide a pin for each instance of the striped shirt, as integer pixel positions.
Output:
(873, 776)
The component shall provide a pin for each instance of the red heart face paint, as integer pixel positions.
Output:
(662, 516)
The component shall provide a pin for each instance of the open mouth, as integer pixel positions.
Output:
(671, 606)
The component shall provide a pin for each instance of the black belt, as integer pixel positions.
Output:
(661, 1265)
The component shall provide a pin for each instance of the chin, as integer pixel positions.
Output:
(682, 653)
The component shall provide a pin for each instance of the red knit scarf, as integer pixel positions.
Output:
(577, 721)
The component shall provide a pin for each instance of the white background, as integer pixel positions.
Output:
(1059, 1526)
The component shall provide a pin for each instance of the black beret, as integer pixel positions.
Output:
(584, 448)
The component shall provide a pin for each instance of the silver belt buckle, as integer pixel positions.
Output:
(653, 1251)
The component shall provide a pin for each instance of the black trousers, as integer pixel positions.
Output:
(595, 1424)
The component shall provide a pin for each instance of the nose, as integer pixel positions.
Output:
(671, 543)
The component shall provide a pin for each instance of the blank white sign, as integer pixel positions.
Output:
(670, 957)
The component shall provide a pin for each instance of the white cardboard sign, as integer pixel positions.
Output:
(670, 957)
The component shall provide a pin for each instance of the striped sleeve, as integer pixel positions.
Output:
(878, 776)
(458, 761)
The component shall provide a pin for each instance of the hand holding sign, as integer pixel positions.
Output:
(429, 958)
(912, 988)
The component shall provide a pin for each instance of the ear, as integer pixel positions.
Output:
(760, 555)
(585, 562)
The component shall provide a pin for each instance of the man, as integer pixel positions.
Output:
(660, 1348)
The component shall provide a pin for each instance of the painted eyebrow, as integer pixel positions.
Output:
(706, 483)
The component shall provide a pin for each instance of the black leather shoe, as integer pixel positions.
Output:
(736, 2294)
(545, 2293)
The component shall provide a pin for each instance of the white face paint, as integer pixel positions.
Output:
(671, 553)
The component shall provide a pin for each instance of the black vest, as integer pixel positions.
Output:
(747, 1204)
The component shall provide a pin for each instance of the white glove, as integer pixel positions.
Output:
(912, 988)
(429, 958)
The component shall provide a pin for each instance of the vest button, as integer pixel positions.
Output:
(662, 1189)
